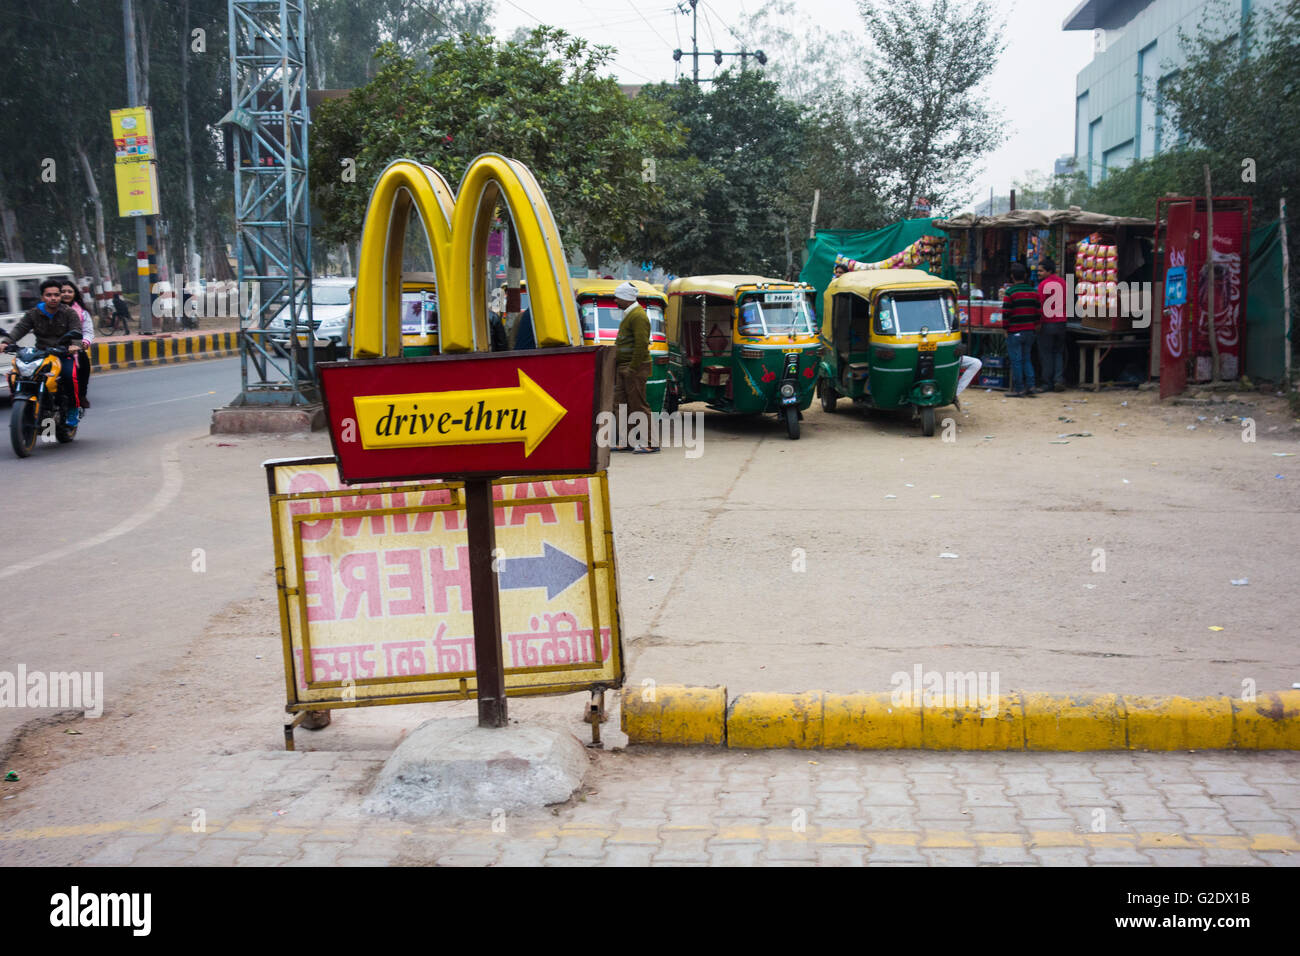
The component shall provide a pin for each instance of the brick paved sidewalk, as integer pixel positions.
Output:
(714, 807)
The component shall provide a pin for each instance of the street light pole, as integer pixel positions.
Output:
(141, 239)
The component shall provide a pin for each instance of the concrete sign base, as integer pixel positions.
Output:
(456, 768)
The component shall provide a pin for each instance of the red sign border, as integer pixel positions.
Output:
(598, 459)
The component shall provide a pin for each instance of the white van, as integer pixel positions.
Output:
(20, 288)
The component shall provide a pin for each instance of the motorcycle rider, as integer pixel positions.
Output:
(50, 321)
(72, 299)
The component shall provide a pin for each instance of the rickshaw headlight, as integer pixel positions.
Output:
(927, 389)
(787, 390)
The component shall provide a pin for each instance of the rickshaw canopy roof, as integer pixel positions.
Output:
(416, 281)
(866, 282)
(724, 286)
(644, 290)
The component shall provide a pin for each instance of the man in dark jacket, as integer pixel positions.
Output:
(50, 321)
(632, 349)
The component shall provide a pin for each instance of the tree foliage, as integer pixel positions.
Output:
(541, 101)
(749, 138)
(1239, 108)
(64, 70)
(346, 35)
(932, 122)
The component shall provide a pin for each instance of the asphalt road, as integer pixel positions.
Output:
(90, 528)
(836, 562)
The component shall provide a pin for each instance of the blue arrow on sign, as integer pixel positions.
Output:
(555, 570)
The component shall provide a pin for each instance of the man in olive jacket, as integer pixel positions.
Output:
(50, 321)
(632, 350)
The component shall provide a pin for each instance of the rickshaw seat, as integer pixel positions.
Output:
(715, 374)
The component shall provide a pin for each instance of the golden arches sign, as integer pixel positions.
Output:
(457, 227)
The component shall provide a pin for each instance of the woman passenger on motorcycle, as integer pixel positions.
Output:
(72, 299)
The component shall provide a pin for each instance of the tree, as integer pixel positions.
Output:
(931, 58)
(810, 62)
(1244, 112)
(345, 34)
(542, 101)
(746, 141)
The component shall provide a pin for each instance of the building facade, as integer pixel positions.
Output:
(1137, 52)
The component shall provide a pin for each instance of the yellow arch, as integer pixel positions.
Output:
(377, 302)
(457, 228)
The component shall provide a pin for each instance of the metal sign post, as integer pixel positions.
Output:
(489, 666)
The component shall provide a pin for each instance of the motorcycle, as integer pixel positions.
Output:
(40, 407)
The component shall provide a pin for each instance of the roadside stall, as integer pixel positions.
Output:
(1106, 262)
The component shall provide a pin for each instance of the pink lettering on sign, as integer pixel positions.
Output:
(412, 580)
(404, 657)
(444, 578)
(563, 642)
(310, 481)
(344, 662)
(452, 654)
(359, 573)
(318, 583)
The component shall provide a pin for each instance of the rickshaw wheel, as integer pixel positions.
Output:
(671, 404)
(828, 395)
(792, 422)
(927, 422)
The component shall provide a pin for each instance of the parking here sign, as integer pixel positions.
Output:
(374, 587)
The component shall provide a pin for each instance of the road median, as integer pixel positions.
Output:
(141, 351)
(815, 720)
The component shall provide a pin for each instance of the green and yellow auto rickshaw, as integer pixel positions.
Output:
(890, 339)
(601, 316)
(745, 345)
(419, 315)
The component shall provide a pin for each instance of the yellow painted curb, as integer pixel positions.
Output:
(1055, 722)
(1269, 722)
(815, 720)
(1178, 723)
(869, 722)
(973, 728)
(673, 714)
(776, 721)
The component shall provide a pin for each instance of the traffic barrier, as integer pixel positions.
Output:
(136, 353)
(816, 720)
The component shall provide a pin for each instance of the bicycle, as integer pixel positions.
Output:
(109, 319)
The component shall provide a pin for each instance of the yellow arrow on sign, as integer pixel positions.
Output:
(469, 417)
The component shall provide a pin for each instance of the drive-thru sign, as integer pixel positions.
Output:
(376, 599)
(459, 543)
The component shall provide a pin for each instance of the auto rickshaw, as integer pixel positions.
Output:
(743, 344)
(890, 339)
(419, 315)
(601, 316)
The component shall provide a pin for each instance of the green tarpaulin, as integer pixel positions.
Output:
(862, 246)
(1265, 325)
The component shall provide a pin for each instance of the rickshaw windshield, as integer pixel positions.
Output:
(419, 317)
(606, 314)
(906, 313)
(775, 313)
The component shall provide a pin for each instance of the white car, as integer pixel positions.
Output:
(331, 305)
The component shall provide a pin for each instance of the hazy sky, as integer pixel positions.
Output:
(1034, 82)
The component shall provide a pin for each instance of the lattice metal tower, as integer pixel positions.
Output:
(268, 81)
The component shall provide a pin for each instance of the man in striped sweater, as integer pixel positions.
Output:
(1022, 311)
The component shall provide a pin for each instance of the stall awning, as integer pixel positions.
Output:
(1041, 219)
